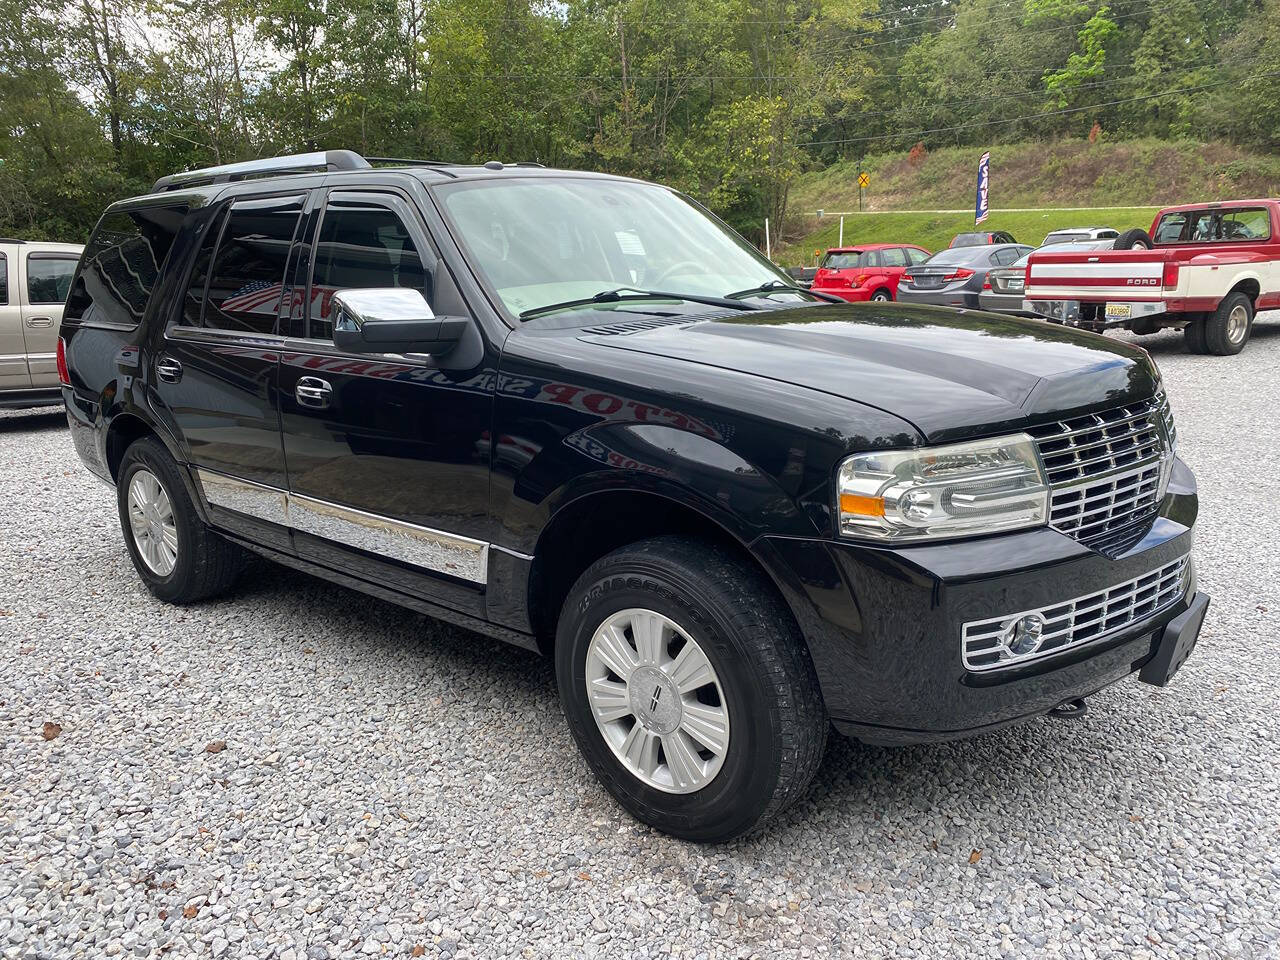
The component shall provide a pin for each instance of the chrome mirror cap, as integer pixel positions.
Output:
(353, 308)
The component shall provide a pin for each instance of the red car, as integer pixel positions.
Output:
(869, 271)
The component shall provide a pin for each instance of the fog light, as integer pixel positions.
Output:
(1023, 636)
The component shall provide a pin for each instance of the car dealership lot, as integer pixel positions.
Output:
(390, 782)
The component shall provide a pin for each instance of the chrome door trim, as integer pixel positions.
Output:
(424, 547)
(244, 496)
(406, 542)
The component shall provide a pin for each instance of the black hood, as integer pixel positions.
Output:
(951, 373)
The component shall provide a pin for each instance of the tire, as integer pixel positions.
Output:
(1227, 329)
(1135, 239)
(1143, 326)
(881, 296)
(202, 564)
(1194, 336)
(763, 698)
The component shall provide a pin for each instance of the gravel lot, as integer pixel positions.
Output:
(392, 785)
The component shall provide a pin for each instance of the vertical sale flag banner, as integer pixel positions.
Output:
(984, 181)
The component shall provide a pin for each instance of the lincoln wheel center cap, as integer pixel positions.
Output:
(655, 700)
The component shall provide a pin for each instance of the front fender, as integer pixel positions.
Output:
(689, 468)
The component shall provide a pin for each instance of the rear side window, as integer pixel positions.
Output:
(870, 259)
(246, 280)
(121, 264)
(49, 278)
(1170, 228)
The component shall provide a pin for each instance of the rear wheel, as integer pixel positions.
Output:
(1227, 329)
(882, 296)
(1193, 336)
(688, 688)
(179, 558)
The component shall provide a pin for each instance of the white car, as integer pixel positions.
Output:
(34, 281)
(1077, 234)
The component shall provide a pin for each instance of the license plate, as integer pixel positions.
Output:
(1176, 643)
(1119, 311)
(1016, 285)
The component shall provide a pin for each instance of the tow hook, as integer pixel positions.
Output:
(1071, 710)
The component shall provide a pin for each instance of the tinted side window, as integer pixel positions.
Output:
(49, 278)
(894, 257)
(361, 244)
(4, 280)
(248, 270)
(193, 300)
(870, 259)
(121, 264)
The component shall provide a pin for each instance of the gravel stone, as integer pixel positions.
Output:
(393, 782)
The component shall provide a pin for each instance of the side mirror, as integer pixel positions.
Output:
(392, 320)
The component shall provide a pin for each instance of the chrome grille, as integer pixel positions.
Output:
(1076, 622)
(1107, 471)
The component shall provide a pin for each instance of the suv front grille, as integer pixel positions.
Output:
(1106, 471)
(1073, 623)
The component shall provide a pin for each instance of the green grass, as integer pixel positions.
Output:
(1138, 175)
(934, 231)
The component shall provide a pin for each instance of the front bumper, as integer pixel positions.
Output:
(885, 625)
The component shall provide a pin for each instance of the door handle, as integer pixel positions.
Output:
(168, 370)
(37, 323)
(313, 392)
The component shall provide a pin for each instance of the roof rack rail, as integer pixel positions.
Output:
(321, 160)
(411, 161)
(11, 240)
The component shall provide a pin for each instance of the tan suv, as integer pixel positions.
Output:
(34, 280)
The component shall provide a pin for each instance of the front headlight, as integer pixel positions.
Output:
(963, 489)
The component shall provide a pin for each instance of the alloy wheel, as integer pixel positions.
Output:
(657, 701)
(152, 524)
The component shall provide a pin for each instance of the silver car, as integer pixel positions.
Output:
(34, 281)
(955, 277)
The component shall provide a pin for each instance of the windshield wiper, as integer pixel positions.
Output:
(630, 293)
(769, 286)
(775, 286)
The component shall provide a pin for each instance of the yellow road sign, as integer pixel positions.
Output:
(864, 180)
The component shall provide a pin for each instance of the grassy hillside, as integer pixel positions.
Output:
(1137, 175)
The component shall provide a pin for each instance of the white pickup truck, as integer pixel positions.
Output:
(1205, 268)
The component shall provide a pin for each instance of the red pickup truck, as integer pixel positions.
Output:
(1205, 268)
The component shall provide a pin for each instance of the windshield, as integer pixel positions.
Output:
(544, 241)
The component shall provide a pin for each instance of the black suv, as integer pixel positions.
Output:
(580, 414)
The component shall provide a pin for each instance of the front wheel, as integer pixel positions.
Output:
(179, 558)
(687, 687)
